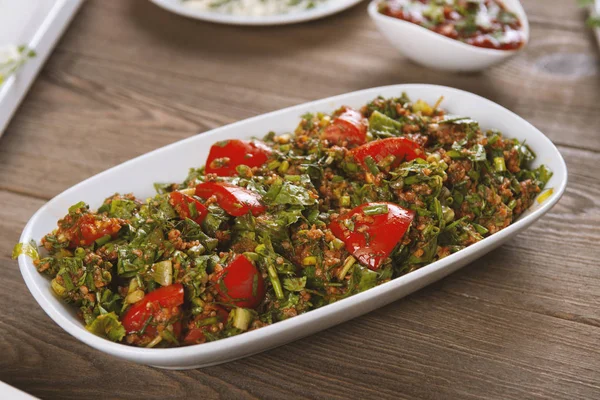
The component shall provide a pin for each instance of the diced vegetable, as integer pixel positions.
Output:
(235, 200)
(58, 288)
(201, 325)
(188, 207)
(90, 228)
(226, 156)
(400, 149)
(349, 127)
(108, 326)
(29, 249)
(240, 284)
(422, 107)
(371, 238)
(163, 272)
(350, 260)
(545, 195)
(242, 318)
(160, 301)
(384, 126)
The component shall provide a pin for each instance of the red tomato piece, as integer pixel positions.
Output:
(235, 200)
(240, 283)
(188, 207)
(349, 127)
(403, 149)
(90, 228)
(177, 329)
(162, 304)
(225, 156)
(195, 336)
(195, 333)
(371, 238)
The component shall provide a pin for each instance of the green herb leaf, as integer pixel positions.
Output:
(294, 284)
(380, 125)
(29, 249)
(107, 326)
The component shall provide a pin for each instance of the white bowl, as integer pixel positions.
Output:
(171, 163)
(39, 25)
(437, 51)
(322, 10)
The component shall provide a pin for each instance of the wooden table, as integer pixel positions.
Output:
(128, 77)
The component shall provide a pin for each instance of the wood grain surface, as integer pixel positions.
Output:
(128, 77)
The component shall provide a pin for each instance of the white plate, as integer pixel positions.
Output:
(328, 8)
(171, 163)
(37, 24)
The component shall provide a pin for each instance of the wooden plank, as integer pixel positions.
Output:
(14, 214)
(522, 322)
(433, 344)
(558, 13)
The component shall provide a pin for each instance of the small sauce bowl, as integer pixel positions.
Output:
(437, 51)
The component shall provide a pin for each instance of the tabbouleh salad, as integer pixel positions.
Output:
(273, 228)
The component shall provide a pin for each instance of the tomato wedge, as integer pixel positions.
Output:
(349, 127)
(90, 228)
(158, 304)
(371, 231)
(403, 149)
(195, 334)
(240, 283)
(188, 207)
(235, 200)
(225, 156)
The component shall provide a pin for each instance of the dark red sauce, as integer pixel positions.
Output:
(481, 23)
